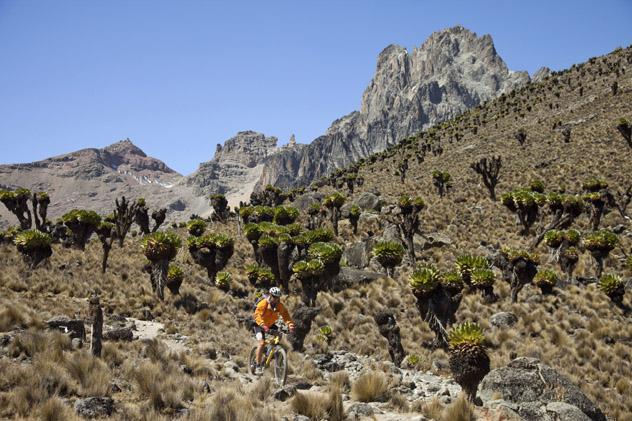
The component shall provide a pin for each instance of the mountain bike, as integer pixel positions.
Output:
(275, 355)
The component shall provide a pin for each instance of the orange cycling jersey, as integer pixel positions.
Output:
(265, 315)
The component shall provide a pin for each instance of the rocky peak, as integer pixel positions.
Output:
(247, 148)
(124, 148)
(129, 157)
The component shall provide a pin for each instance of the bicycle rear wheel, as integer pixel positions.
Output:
(252, 360)
(280, 365)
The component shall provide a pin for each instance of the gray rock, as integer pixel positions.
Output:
(368, 202)
(350, 276)
(360, 410)
(391, 233)
(358, 254)
(561, 411)
(76, 343)
(284, 393)
(177, 205)
(431, 240)
(75, 328)
(119, 334)
(531, 384)
(94, 407)
(503, 319)
(304, 201)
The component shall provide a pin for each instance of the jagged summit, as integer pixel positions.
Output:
(124, 147)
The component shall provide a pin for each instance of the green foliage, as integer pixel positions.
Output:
(407, 204)
(175, 273)
(546, 277)
(523, 199)
(388, 253)
(313, 209)
(20, 193)
(412, 360)
(162, 245)
(319, 235)
(441, 176)
(259, 213)
(466, 334)
(284, 215)
(196, 227)
(334, 200)
(610, 283)
(424, 279)
(327, 253)
(483, 277)
(32, 240)
(306, 269)
(452, 280)
(536, 186)
(259, 275)
(141, 202)
(223, 280)
(513, 255)
(554, 238)
(12, 232)
(354, 212)
(326, 331)
(466, 264)
(602, 240)
(594, 184)
(217, 241)
(82, 216)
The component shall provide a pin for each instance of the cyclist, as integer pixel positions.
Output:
(266, 314)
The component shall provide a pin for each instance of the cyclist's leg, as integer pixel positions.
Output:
(261, 337)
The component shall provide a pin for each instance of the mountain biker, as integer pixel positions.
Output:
(266, 314)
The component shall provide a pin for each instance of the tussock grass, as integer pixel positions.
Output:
(316, 405)
(370, 387)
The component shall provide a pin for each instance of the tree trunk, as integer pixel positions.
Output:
(96, 315)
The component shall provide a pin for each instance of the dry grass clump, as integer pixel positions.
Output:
(91, 373)
(15, 316)
(370, 387)
(55, 410)
(165, 386)
(231, 403)
(431, 408)
(459, 410)
(316, 405)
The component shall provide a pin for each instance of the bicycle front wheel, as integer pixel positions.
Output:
(252, 360)
(280, 365)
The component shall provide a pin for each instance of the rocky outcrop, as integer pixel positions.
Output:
(536, 392)
(235, 168)
(452, 71)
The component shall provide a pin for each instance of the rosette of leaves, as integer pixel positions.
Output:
(567, 260)
(160, 248)
(17, 203)
(354, 217)
(388, 254)
(313, 209)
(536, 186)
(11, 232)
(466, 264)
(468, 360)
(256, 214)
(600, 244)
(452, 282)
(260, 276)
(594, 184)
(223, 280)
(285, 215)
(211, 251)
(424, 280)
(546, 280)
(326, 333)
(81, 223)
(175, 276)
(519, 268)
(525, 204)
(318, 235)
(553, 238)
(196, 227)
(309, 273)
(613, 287)
(483, 280)
(34, 246)
(409, 204)
(329, 254)
(333, 203)
(441, 180)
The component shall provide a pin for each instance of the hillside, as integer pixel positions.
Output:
(196, 366)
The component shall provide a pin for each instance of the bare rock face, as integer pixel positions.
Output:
(452, 71)
(235, 168)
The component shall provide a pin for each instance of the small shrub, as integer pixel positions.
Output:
(370, 387)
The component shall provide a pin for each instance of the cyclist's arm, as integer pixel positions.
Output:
(286, 316)
(259, 312)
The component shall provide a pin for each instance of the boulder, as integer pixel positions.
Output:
(431, 240)
(360, 410)
(94, 407)
(358, 254)
(349, 277)
(75, 328)
(533, 385)
(369, 223)
(304, 201)
(503, 319)
(368, 201)
(119, 334)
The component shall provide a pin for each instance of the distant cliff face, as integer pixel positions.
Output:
(452, 71)
(236, 167)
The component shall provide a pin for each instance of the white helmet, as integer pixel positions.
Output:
(275, 291)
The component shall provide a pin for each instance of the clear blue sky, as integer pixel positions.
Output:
(177, 77)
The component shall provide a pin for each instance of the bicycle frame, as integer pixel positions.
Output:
(273, 342)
